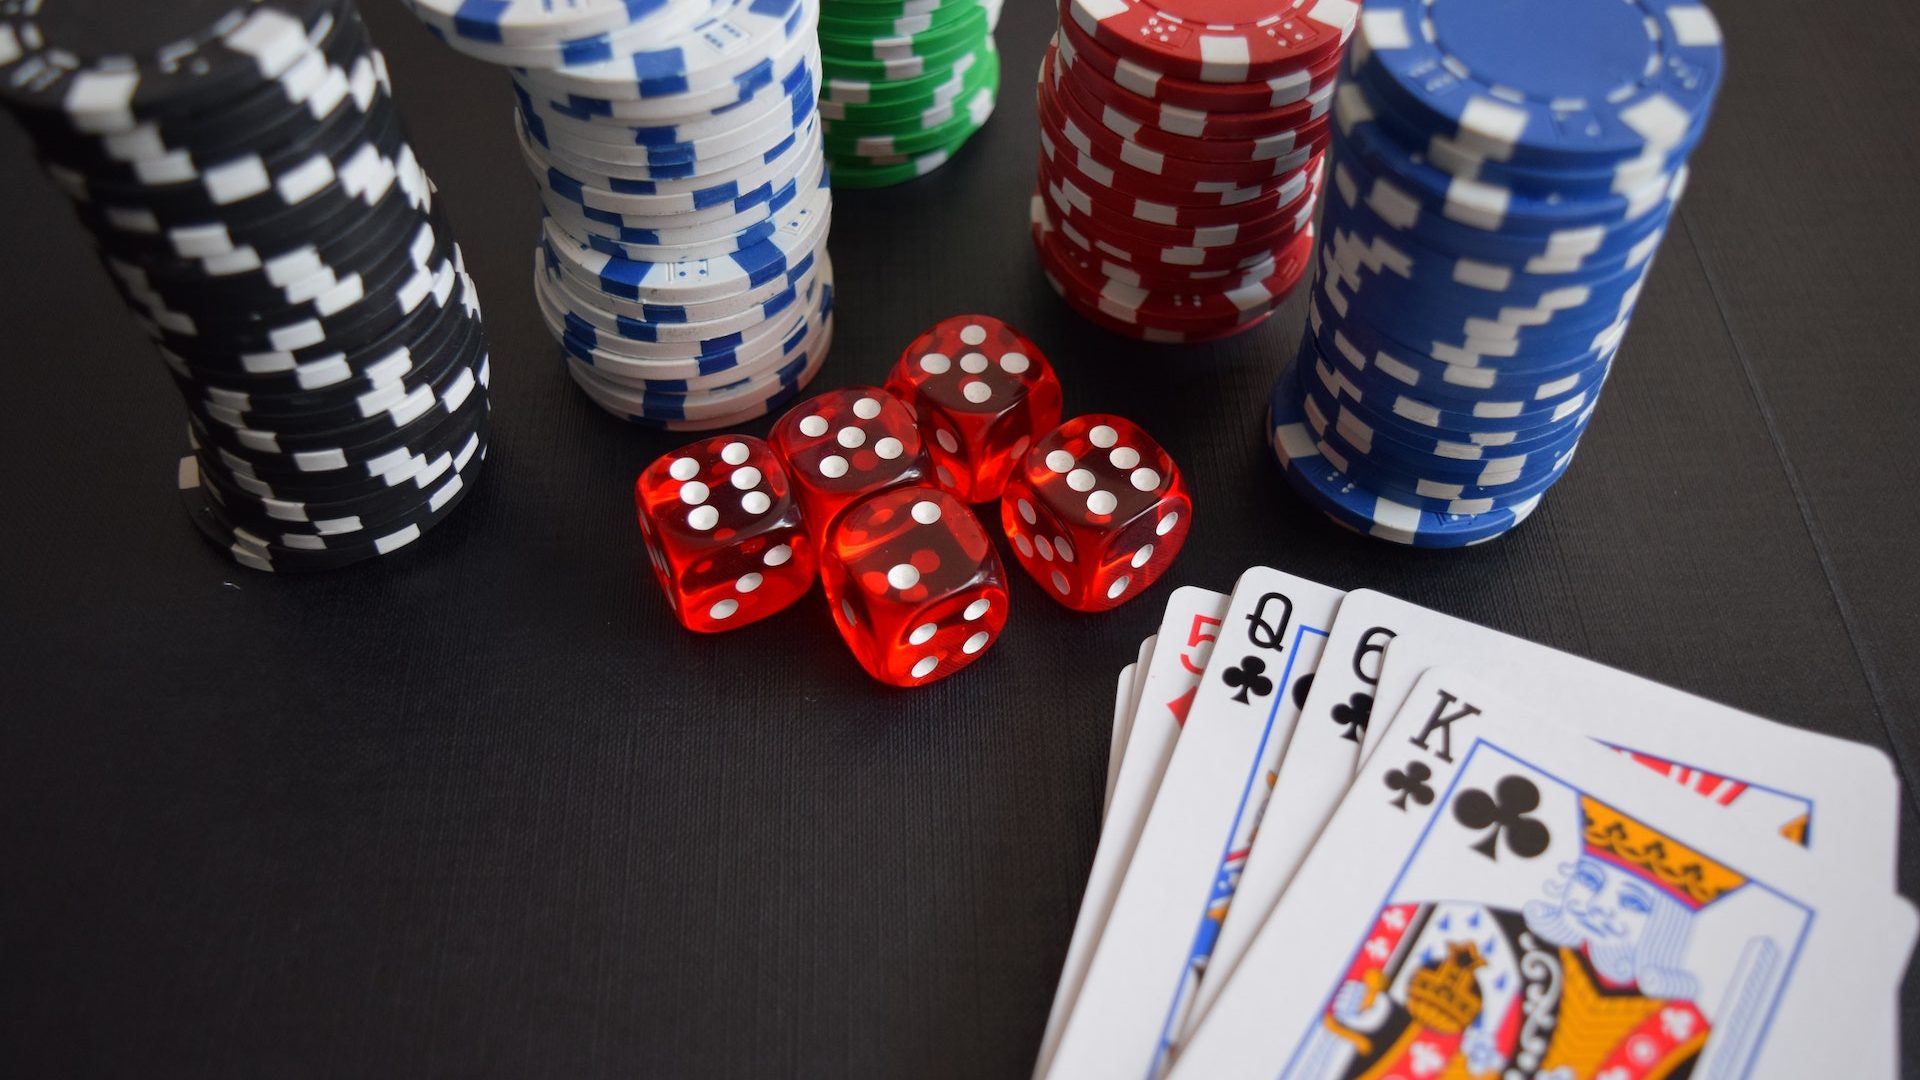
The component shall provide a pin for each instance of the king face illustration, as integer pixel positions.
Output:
(1589, 980)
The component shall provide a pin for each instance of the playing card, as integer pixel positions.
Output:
(1316, 769)
(1188, 629)
(1166, 915)
(1127, 698)
(1122, 713)
(1499, 896)
(1840, 798)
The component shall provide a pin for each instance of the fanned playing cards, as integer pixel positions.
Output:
(1349, 838)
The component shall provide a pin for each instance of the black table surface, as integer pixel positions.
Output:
(484, 809)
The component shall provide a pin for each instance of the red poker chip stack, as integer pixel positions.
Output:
(1180, 158)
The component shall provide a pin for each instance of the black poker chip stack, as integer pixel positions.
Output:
(250, 190)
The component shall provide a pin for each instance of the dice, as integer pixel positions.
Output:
(913, 584)
(843, 445)
(1096, 512)
(984, 393)
(724, 532)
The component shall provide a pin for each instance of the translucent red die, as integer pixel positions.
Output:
(914, 584)
(984, 393)
(1096, 512)
(843, 445)
(724, 533)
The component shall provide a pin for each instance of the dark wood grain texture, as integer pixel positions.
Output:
(485, 810)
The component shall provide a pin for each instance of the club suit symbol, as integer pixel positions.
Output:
(1411, 783)
(1504, 815)
(1250, 675)
(1352, 714)
(1302, 686)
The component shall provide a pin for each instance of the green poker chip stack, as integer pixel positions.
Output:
(908, 82)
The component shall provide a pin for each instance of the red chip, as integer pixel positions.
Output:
(1221, 307)
(1218, 41)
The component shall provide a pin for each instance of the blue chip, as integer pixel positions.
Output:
(1559, 84)
(1478, 203)
(1341, 499)
(1400, 460)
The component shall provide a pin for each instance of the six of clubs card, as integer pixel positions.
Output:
(1386, 843)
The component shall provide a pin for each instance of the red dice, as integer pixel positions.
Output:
(1096, 512)
(914, 585)
(724, 532)
(984, 394)
(842, 445)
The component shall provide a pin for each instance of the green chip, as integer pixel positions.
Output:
(850, 91)
(910, 114)
(964, 33)
(900, 68)
(841, 9)
(836, 22)
(852, 173)
(950, 124)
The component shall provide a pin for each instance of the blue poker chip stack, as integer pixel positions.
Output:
(1502, 176)
(252, 194)
(682, 256)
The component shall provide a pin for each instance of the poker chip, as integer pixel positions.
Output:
(1501, 182)
(1181, 160)
(253, 197)
(686, 201)
(908, 82)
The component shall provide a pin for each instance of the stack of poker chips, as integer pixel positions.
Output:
(682, 256)
(1502, 177)
(250, 189)
(908, 83)
(1181, 159)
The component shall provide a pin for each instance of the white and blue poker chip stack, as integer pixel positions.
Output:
(251, 192)
(1502, 177)
(682, 257)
